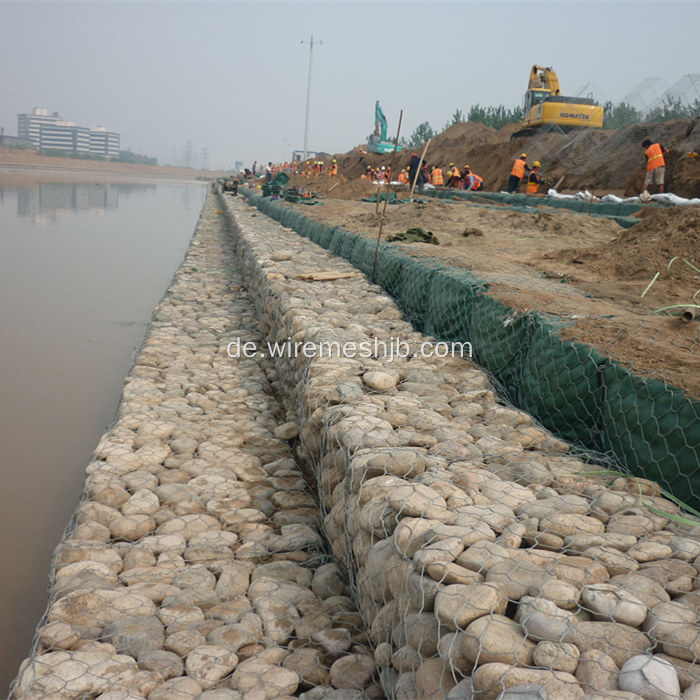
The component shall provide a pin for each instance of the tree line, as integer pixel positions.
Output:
(615, 116)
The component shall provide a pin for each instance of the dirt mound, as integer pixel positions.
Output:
(600, 161)
(648, 247)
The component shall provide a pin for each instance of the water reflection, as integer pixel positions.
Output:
(83, 266)
(47, 202)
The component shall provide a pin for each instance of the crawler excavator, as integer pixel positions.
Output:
(377, 142)
(544, 105)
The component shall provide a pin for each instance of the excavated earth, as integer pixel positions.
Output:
(588, 270)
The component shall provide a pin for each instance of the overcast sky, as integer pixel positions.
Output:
(231, 77)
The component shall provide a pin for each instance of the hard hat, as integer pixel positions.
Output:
(466, 167)
(523, 155)
(536, 164)
(334, 160)
(452, 165)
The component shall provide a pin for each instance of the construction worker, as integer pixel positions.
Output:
(472, 181)
(520, 167)
(308, 169)
(436, 176)
(453, 176)
(333, 170)
(534, 179)
(656, 165)
(415, 172)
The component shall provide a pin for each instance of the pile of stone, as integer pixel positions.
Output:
(465, 551)
(194, 567)
(485, 557)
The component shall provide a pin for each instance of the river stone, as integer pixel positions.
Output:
(58, 635)
(543, 620)
(517, 577)
(596, 672)
(267, 680)
(496, 639)
(417, 500)
(177, 689)
(440, 552)
(100, 607)
(333, 641)
(667, 617)
(562, 593)
(287, 431)
(457, 605)
(406, 658)
(434, 679)
(209, 663)
(449, 573)
(165, 663)
(608, 601)
(353, 671)
(74, 674)
(184, 640)
(652, 678)
(683, 643)
(380, 381)
(567, 524)
(497, 516)
(506, 492)
(491, 679)
(558, 656)
(143, 501)
(308, 665)
(450, 651)
(619, 641)
(135, 635)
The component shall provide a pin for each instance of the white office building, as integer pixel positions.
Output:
(50, 132)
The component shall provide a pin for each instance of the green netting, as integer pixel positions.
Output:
(452, 295)
(654, 429)
(571, 373)
(643, 424)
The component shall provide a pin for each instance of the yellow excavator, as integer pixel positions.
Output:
(544, 105)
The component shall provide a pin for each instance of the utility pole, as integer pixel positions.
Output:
(308, 94)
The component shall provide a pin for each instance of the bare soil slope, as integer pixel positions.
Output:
(583, 268)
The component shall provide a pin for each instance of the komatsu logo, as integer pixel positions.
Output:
(567, 115)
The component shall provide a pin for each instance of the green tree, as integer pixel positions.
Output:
(457, 118)
(496, 117)
(422, 133)
(673, 108)
(619, 114)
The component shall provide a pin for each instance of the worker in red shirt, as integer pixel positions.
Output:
(656, 164)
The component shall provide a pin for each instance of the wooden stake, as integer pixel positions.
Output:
(420, 167)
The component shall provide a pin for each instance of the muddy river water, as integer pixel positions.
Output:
(81, 268)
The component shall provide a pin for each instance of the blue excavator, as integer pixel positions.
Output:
(377, 141)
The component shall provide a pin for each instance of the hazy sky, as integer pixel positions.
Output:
(231, 77)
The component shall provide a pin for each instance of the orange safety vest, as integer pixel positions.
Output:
(655, 157)
(533, 183)
(333, 170)
(436, 177)
(518, 168)
(403, 177)
(455, 173)
(477, 185)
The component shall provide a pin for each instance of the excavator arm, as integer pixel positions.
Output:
(379, 122)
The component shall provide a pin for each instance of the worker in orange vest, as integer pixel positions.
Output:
(436, 176)
(403, 176)
(656, 164)
(534, 179)
(308, 171)
(472, 182)
(453, 176)
(333, 170)
(520, 167)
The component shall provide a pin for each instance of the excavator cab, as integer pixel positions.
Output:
(544, 105)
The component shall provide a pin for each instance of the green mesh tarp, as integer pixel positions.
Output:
(648, 427)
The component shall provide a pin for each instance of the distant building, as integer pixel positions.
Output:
(52, 133)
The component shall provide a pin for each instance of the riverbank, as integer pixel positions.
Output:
(480, 551)
(30, 165)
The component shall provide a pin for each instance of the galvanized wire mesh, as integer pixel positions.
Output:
(464, 551)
